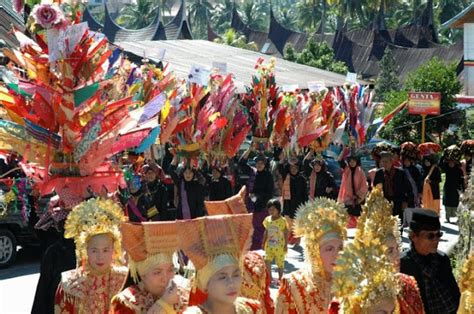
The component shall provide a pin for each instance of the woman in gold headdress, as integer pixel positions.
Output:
(215, 245)
(322, 224)
(466, 285)
(364, 279)
(94, 225)
(377, 221)
(150, 247)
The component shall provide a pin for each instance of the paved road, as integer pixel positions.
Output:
(18, 283)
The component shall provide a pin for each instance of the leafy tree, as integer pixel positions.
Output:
(286, 16)
(309, 14)
(221, 15)
(138, 15)
(198, 12)
(318, 55)
(388, 78)
(434, 76)
(255, 14)
(235, 39)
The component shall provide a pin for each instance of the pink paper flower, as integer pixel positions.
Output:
(47, 15)
(18, 5)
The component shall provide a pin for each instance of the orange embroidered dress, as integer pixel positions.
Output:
(300, 292)
(242, 306)
(83, 292)
(409, 299)
(256, 281)
(135, 299)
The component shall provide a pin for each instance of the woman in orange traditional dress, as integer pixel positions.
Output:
(94, 225)
(322, 224)
(150, 248)
(215, 245)
(364, 280)
(377, 221)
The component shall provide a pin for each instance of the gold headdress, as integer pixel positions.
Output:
(466, 285)
(363, 276)
(377, 218)
(92, 217)
(214, 242)
(148, 244)
(317, 219)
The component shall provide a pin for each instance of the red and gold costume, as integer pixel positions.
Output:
(466, 285)
(309, 290)
(242, 306)
(212, 243)
(148, 245)
(377, 222)
(256, 281)
(84, 290)
(409, 298)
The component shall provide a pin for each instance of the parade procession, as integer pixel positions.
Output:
(147, 190)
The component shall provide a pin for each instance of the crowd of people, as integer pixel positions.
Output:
(187, 221)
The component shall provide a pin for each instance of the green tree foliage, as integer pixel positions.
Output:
(255, 14)
(434, 76)
(388, 78)
(235, 39)
(318, 55)
(135, 16)
(198, 12)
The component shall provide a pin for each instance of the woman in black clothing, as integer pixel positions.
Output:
(140, 206)
(219, 186)
(321, 181)
(153, 175)
(260, 187)
(190, 187)
(453, 185)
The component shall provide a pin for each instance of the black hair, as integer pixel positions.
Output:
(274, 202)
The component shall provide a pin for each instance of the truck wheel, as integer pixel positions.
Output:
(7, 248)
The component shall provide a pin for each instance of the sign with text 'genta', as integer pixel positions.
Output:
(424, 103)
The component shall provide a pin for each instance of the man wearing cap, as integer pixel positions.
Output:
(396, 186)
(431, 269)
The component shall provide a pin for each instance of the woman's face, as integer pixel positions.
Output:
(328, 252)
(100, 251)
(150, 176)
(427, 163)
(352, 163)
(157, 278)
(294, 170)
(188, 175)
(317, 168)
(224, 285)
(393, 252)
(216, 174)
(384, 306)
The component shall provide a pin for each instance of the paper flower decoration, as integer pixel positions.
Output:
(47, 15)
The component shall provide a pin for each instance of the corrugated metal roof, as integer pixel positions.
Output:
(182, 54)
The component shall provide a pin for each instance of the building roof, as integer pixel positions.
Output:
(8, 19)
(465, 16)
(177, 28)
(183, 54)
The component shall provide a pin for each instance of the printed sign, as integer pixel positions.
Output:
(221, 67)
(199, 75)
(351, 77)
(424, 103)
(316, 86)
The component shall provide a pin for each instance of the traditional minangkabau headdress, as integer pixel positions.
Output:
(467, 147)
(214, 242)
(93, 217)
(316, 220)
(377, 219)
(466, 285)
(409, 150)
(149, 244)
(363, 275)
(452, 153)
(232, 205)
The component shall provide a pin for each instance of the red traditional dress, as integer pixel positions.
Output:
(242, 306)
(409, 299)
(301, 292)
(256, 281)
(135, 299)
(84, 292)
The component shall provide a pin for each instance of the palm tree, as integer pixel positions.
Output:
(138, 16)
(309, 14)
(198, 13)
(286, 16)
(221, 15)
(255, 14)
(234, 39)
